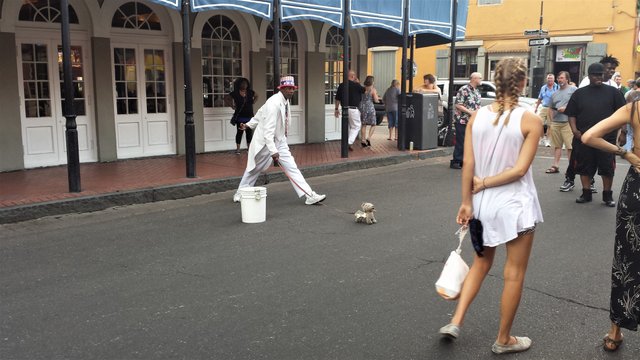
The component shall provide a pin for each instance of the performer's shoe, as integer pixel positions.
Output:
(236, 197)
(314, 198)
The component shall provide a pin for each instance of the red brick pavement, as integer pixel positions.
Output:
(50, 184)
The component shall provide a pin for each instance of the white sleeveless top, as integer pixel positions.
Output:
(511, 208)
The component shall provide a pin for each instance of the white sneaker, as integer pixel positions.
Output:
(314, 198)
(547, 143)
(236, 197)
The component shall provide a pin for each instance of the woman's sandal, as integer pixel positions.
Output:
(610, 344)
(553, 170)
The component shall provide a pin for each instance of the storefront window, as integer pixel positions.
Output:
(45, 11)
(333, 63)
(134, 15)
(466, 62)
(289, 62)
(221, 59)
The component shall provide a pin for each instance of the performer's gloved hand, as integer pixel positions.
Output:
(275, 158)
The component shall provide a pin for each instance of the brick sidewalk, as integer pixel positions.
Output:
(25, 189)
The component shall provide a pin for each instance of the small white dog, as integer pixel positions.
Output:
(366, 214)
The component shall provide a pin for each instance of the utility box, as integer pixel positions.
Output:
(422, 121)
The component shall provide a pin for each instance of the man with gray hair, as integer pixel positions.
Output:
(466, 104)
(560, 130)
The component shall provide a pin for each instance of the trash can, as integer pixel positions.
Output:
(422, 121)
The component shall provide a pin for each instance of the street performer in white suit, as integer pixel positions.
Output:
(269, 144)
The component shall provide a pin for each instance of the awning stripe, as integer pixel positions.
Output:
(329, 11)
(176, 4)
(386, 14)
(261, 8)
(432, 16)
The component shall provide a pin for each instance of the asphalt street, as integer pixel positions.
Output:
(186, 279)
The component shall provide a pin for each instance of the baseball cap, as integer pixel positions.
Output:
(595, 68)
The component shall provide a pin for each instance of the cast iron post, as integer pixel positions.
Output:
(452, 62)
(276, 45)
(344, 143)
(71, 132)
(402, 125)
(189, 126)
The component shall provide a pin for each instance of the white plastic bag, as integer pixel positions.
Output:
(454, 272)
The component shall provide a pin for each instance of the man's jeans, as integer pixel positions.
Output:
(458, 149)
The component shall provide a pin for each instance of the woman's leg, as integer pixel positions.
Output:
(238, 137)
(615, 333)
(518, 251)
(249, 132)
(363, 132)
(471, 285)
(372, 129)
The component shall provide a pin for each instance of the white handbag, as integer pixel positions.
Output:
(454, 272)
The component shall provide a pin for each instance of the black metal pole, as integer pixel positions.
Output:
(402, 124)
(189, 126)
(452, 64)
(71, 131)
(411, 50)
(344, 143)
(276, 45)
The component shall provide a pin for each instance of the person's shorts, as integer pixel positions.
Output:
(590, 160)
(392, 119)
(545, 114)
(561, 134)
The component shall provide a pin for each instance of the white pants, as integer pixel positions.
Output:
(354, 124)
(288, 164)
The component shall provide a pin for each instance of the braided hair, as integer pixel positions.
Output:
(510, 72)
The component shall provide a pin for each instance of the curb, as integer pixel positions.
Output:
(186, 190)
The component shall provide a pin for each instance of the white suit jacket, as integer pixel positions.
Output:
(269, 126)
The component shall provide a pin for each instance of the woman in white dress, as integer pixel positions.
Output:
(498, 189)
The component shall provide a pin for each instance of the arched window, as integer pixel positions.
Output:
(333, 63)
(289, 63)
(221, 59)
(45, 11)
(134, 15)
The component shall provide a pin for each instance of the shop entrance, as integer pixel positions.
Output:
(569, 58)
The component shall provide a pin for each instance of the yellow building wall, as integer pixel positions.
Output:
(613, 22)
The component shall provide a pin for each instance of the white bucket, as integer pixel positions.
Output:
(253, 201)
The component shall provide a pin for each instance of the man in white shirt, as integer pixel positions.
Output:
(269, 144)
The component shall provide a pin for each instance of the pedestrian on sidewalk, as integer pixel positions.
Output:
(587, 106)
(368, 111)
(544, 98)
(624, 310)
(498, 189)
(466, 104)
(241, 100)
(560, 130)
(355, 96)
(269, 145)
(390, 100)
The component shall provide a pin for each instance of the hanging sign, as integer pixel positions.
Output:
(569, 53)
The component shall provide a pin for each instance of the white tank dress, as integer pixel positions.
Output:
(511, 208)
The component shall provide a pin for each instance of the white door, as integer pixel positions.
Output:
(42, 95)
(144, 124)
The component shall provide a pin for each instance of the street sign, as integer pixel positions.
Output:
(536, 32)
(539, 42)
